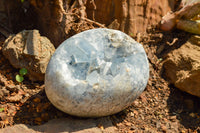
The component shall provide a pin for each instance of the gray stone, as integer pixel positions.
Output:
(96, 73)
(66, 125)
(29, 50)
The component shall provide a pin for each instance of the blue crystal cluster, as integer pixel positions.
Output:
(96, 73)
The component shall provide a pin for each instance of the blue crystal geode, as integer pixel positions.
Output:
(96, 73)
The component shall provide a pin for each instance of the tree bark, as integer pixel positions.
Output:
(60, 19)
(134, 16)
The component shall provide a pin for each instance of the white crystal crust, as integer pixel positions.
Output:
(96, 73)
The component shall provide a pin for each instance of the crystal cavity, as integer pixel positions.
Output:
(96, 73)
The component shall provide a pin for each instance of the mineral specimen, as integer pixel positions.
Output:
(96, 73)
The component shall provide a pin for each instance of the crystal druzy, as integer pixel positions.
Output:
(96, 73)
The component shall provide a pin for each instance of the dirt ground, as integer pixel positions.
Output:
(160, 108)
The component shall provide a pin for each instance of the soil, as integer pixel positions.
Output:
(160, 108)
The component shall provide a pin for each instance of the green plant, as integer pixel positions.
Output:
(160, 59)
(20, 77)
(22, 1)
(1, 109)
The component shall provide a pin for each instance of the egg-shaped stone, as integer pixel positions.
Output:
(96, 73)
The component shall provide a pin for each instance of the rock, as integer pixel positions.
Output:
(19, 128)
(182, 66)
(65, 125)
(96, 73)
(29, 50)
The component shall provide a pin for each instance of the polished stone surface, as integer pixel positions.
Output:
(96, 73)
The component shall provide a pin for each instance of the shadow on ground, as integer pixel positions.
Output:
(40, 115)
(185, 107)
(171, 41)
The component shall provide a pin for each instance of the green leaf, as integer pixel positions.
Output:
(19, 78)
(160, 59)
(23, 71)
(22, 1)
(1, 109)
